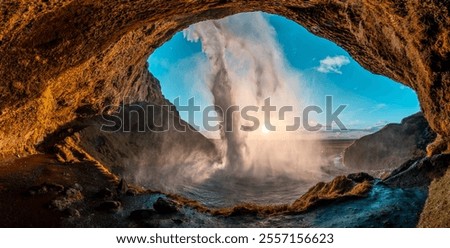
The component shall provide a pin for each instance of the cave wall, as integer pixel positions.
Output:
(63, 61)
(60, 59)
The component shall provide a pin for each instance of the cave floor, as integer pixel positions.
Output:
(38, 191)
(25, 203)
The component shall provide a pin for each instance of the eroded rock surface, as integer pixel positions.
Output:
(391, 146)
(64, 59)
(341, 188)
(420, 172)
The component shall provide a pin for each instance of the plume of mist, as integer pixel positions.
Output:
(246, 66)
(165, 160)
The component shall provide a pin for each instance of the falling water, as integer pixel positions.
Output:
(246, 66)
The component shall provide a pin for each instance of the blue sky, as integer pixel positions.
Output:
(372, 100)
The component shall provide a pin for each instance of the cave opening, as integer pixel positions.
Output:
(263, 56)
(62, 65)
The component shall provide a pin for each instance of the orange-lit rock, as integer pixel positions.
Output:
(62, 60)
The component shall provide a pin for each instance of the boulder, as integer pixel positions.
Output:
(339, 189)
(165, 206)
(109, 206)
(122, 187)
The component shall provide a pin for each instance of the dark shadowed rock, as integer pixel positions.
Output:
(72, 212)
(142, 214)
(104, 194)
(109, 206)
(165, 206)
(72, 192)
(77, 186)
(393, 145)
(177, 221)
(122, 187)
(360, 177)
(419, 173)
(37, 190)
(45, 188)
(132, 192)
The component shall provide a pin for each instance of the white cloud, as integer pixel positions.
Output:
(377, 107)
(333, 64)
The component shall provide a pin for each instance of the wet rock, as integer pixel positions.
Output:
(122, 187)
(165, 206)
(109, 206)
(419, 173)
(142, 214)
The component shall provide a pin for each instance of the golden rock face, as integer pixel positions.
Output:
(60, 56)
(65, 60)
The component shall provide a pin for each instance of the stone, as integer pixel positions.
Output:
(109, 206)
(77, 187)
(45, 188)
(72, 212)
(177, 221)
(391, 146)
(122, 187)
(132, 192)
(54, 187)
(339, 189)
(419, 173)
(165, 206)
(70, 197)
(72, 192)
(360, 177)
(37, 190)
(105, 194)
